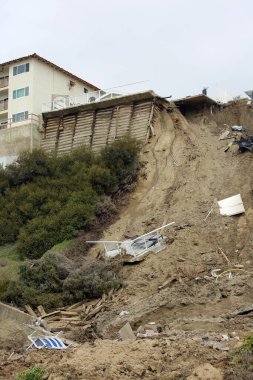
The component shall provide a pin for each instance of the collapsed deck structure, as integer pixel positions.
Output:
(100, 123)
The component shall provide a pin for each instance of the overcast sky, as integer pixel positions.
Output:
(178, 46)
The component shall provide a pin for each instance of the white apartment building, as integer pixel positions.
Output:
(28, 82)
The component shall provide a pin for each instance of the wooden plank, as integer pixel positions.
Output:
(94, 312)
(41, 310)
(69, 313)
(52, 313)
(93, 127)
(75, 305)
(30, 311)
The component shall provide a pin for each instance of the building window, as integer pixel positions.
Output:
(21, 116)
(85, 90)
(21, 69)
(20, 93)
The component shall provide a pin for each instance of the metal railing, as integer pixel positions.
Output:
(90, 97)
(4, 82)
(3, 105)
(31, 119)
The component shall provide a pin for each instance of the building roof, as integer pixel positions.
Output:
(195, 100)
(41, 59)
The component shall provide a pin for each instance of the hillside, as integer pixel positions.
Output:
(186, 172)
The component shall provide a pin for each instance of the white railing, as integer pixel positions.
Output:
(31, 119)
(90, 97)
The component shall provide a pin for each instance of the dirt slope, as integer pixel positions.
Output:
(186, 171)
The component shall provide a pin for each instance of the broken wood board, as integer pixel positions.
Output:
(126, 332)
(30, 311)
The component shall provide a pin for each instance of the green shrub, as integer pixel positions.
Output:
(4, 180)
(240, 361)
(122, 158)
(89, 282)
(101, 180)
(33, 373)
(29, 166)
(45, 199)
(19, 294)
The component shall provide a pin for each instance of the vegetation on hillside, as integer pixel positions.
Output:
(45, 200)
(240, 361)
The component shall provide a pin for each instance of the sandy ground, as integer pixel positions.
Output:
(187, 170)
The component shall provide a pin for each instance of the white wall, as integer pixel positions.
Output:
(48, 81)
(43, 82)
(19, 81)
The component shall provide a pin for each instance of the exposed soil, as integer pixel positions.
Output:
(187, 171)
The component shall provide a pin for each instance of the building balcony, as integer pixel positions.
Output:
(3, 105)
(3, 124)
(4, 82)
(65, 101)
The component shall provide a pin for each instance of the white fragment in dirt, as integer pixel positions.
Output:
(147, 334)
(214, 272)
(214, 344)
(231, 206)
(239, 266)
(224, 337)
(151, 323)
(123, 312)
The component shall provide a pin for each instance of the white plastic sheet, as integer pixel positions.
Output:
(231, 206)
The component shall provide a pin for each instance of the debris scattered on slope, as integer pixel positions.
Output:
(238, 128)
(137, 246)
(126, 332)
(224, 135)
(244, 310)
(76, 315)
(214, 344)
(231, 206)
(245, 143)
(48, 341)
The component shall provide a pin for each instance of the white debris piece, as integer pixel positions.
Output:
(231, 206)
(123, 312)
(152, 241)
(126, 332)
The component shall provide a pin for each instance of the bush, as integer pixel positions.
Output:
(122, 158)
(90, 282)
(55, 280)
(240, 364)
(33, 373)
(45, 200)
(29, 166)
(19, 294)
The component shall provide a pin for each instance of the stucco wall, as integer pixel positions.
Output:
(20, 81)
(8, 312)
(49, 81)
(43, 82)
(15, 140)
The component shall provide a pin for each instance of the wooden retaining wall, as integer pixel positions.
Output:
(98, 126)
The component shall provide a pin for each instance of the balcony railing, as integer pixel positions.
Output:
(4, 82)
(64, 101)
(32, 119)
(3, 105)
